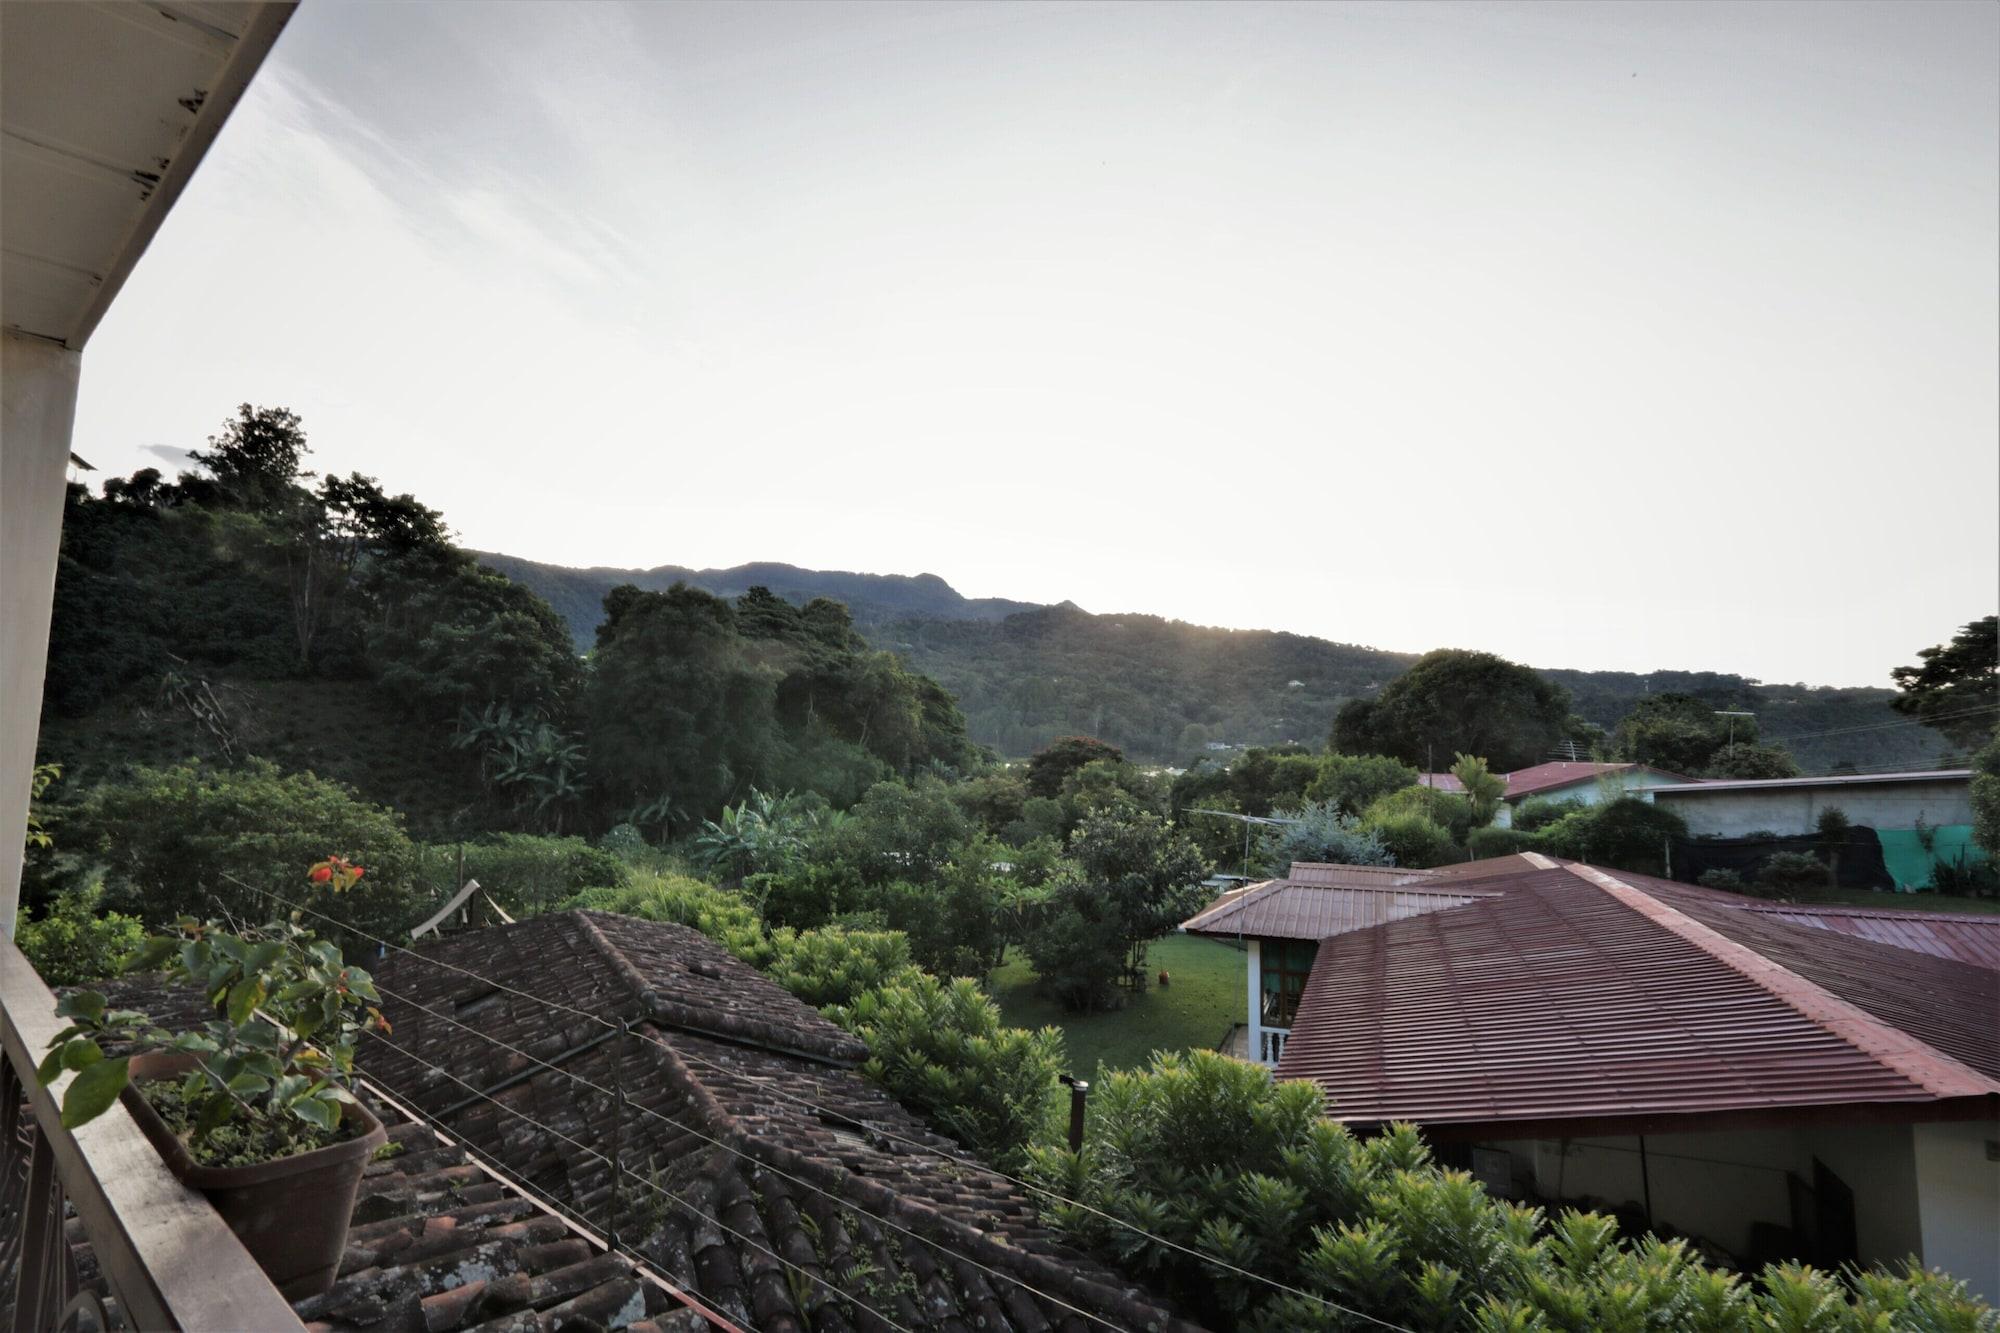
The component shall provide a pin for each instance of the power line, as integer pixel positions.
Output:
(1886, 726)
(640, 1180)
(689, 1056)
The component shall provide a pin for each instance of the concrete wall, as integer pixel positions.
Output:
(1591, 791)
(1793, 810)
(1958, 1196)
(1719, 1185)
(37, 407)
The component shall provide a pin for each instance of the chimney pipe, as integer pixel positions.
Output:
(1079, 1093)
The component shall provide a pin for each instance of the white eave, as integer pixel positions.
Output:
(106, 107)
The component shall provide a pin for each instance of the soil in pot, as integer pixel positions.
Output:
(242, 1142)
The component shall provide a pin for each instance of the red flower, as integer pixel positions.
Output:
(321, 874)
(359, 872)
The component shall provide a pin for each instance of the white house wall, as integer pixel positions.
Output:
(1590, 791)
(1794, 810)
(1958, 1196)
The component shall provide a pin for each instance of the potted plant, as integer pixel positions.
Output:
(255, 1108)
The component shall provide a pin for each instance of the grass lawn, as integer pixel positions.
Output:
(1206, 996)
(1913, 902)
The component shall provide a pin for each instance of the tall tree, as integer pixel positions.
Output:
(1956, 689)
(1064, 756)
(1457, 700)
(1483, 787)
(257, 460)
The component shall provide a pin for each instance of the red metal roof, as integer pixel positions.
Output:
(1354, 877)
(1523, 782)
(1969, 939)
(1577, 996)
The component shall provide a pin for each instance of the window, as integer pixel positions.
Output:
(1286, 963)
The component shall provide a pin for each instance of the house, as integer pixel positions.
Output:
(1703, 1063)
(1566, 781)
(1281, 922)
(637, 1075)
(1919, 818)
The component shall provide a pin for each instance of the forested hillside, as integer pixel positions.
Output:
(1163, 690)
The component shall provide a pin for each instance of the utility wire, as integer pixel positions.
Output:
(636, 1179)
(1200, 1255)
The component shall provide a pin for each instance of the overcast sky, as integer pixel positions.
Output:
(1613, 336)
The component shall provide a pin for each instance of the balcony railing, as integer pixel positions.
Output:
(1271, 1044)
(160, 1255)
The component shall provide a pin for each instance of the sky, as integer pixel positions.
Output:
(1636, 336)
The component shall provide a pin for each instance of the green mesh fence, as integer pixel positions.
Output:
(1910, 864)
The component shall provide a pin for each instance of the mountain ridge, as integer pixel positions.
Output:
(1168, 690)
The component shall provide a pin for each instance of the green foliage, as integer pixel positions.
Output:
(45, 776)
(942, 1049)
(1791, 872)
(723, 916)
(1324, 832)
(1986, 798)
(1490, 841)
(1455, 700)
(1483, 787)
(523, 872)
(1077, 961)
(1353, 782)
(71, 942)
(1538, 812)
(1063, 756)
(258, 459)
(1625, 834)
(1678, 732)
(194, 839)
(1721, 878)
(835, 967)
(290, 1012)
(1446, 808)
(1743, 760)
(1214, 1158)
(1411, 839)
(1955, 689)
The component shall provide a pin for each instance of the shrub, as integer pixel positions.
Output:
(1412, 840)
(1533, 815)
(71, 943)
(1353, 782)
(1486, 842)
(1210, 1154)
(1077, 961)
(941, 1048)
(527, 873)
(1721, 878)
(717, 913)
(1966, 876)
(194, 840)
(1626, 834)
(1323, 833)
(837, 967)
(1446, 808)
(1986, 797)
(1790, 872)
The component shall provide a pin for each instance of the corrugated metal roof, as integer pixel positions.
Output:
(1564, 999)
(1547, 777)
(1708, 786)
(1283, 909)
(1969, 939)
(1354, 877)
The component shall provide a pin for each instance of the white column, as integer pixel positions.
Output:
(1256, 1047)
(37, 408)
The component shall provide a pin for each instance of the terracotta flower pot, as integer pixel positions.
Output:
(290, 1213)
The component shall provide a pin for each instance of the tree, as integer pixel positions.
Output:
(1626, 834)
(1483, 788)
(1454, 699)
(1143, 877)
(257, 460)
(1956, 689)
(1744, 760)
(1986, 798)
(1062, 757)
(1322, 832)
(1353, 782)
(333, 530)
(1677, 732)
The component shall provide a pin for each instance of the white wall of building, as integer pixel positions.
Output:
(1958, 1196)
(38, 383)
(1794, 810)
(1590, 791)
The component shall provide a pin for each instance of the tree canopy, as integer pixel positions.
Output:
(1955, 688)
(1457, 700)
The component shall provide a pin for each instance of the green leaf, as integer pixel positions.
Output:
(263, 955)
(314, 1111)
(154, 951)
(85, 1004)
(81, 1053)
(290, 1088)
(91, 1093)
(248, 1085)
(258, 1034)
(50, 1066)
(215, 1113)
(244, 997)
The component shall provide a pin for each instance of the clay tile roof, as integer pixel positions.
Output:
(778, 1185)
(1576, 996)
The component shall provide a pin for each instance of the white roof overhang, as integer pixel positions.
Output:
(106, 108)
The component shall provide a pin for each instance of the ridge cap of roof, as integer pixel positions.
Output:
(1217, 910)
(1929, 1068)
